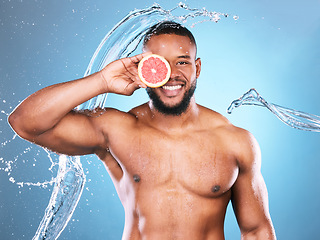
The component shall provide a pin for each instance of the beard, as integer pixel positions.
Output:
(175, 110)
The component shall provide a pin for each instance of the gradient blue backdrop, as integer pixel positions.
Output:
(274, 47)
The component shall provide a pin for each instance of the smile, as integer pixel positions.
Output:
(172, 88)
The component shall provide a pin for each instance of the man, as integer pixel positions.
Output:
(175, 164)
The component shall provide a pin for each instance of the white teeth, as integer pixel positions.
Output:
(171, 88)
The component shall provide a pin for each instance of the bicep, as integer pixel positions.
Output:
(250, 202)
(75, 134)
(249, 193)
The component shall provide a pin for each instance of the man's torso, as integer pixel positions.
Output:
(173, 184)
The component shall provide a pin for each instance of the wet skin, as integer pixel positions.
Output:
(175, 175)
(173, 184)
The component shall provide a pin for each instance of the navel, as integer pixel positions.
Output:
(136, 178)
(215, 188)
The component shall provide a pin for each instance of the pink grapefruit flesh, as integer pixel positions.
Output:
(154, 70)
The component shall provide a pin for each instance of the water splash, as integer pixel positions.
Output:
(293, 118)
(64, 199)
(120, 42)
(8, 165)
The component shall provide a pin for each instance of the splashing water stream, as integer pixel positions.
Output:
(293, 118)
(65, 196)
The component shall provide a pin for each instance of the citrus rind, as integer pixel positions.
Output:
(150, 84)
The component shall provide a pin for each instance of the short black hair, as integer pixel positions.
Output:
(168, 27)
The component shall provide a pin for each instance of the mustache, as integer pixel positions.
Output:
(176, 80)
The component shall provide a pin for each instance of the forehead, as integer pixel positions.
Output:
(165, 44)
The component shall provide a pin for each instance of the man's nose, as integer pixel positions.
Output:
(175, 72)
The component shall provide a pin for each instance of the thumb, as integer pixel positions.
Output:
(131, 88)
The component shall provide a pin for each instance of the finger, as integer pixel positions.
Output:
(132, 72)
(137, 58)
(142, 85)
(130, 88)
(129, 70)
(134, 77)
(144, 54)
(138, 81)
(131, 66)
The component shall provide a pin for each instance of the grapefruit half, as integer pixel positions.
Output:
(154, 70)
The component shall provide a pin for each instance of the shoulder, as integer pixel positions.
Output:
(113, 120)
(240, 142)
(212, 119)
(217, 123)
(247, 150)
(109, 118)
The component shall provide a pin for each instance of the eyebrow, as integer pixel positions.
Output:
(184, 56)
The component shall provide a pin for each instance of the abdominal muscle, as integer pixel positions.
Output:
(168, 212)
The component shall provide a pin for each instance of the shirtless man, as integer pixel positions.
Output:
(175, 164)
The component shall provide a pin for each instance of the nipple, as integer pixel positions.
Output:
(136, 178)
(215, 189)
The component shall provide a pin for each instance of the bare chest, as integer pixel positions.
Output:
(200, 163)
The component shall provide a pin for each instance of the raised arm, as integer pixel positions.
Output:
(249, 193)
(47, 117)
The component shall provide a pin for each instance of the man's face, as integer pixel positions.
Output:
(180, 52)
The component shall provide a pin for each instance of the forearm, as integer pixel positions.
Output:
(44, 109)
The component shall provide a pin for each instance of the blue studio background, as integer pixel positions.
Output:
(273, 47)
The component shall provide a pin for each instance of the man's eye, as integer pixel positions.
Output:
(182, 63)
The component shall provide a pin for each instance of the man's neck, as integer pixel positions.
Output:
(174, 122)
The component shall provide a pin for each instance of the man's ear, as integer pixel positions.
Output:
(198, 67)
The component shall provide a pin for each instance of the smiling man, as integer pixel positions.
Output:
(175, 164)
(172, 38)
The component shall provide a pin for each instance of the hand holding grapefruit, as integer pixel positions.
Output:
(154, 70)
(121, 76)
